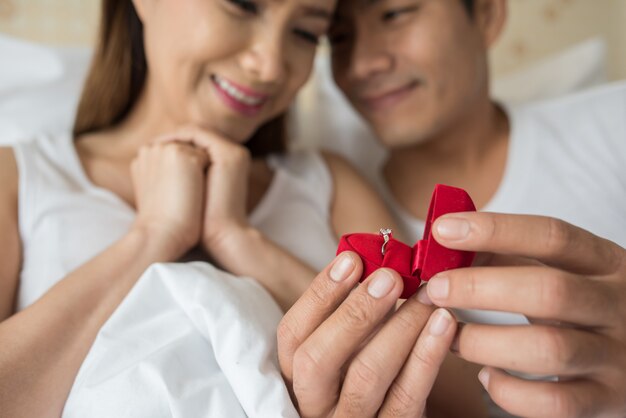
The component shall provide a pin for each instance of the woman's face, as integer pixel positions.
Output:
(229, 65)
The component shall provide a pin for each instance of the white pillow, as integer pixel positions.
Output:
(322, 118)
(575, 68)
(39, 88)
(25, 64)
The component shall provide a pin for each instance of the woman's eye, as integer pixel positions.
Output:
(391, 15)
(246, 5)
(307, 36)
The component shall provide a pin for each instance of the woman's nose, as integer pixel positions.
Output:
(265, 59)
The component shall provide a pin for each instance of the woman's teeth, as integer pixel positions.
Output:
(237, 94)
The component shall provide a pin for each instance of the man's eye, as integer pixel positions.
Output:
(393, 14)
(246, 5)
(307, 36)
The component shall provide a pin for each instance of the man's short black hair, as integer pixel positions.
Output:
(469, 5)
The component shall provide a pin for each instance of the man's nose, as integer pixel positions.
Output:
(369, 57)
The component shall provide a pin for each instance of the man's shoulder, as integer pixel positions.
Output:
(598, 113)
(609, 97)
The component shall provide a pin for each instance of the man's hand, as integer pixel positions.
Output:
(571, 284)
(342, 354)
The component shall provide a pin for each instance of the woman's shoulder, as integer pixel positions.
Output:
(8, 166)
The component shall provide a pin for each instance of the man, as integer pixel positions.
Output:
(417, 71)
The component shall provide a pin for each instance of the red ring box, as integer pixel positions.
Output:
(427, 257)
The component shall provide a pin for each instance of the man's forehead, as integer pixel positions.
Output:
(348, 10)
(358, 5)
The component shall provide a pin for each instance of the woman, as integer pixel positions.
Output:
(156, 171)
(85, 217)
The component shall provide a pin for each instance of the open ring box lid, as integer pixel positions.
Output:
(427, 257)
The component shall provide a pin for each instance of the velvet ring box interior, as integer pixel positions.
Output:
(426, 258)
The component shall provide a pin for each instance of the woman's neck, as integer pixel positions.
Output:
(144, 123)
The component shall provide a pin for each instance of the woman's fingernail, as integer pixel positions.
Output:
(439, 288)
(440, 323)
(342, 268)
(453, 229)
(422, 296)
(483, 376)
(381, 284)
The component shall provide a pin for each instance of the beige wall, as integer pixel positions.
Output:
(58, 22)
(536, 28)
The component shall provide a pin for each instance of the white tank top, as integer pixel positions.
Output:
(65, 220)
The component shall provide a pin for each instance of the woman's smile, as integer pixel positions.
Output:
(239, 98)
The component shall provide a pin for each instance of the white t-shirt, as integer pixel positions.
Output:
(567, 159)
(65, 220)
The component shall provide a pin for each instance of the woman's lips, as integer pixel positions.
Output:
(239, 98)
(389, 98)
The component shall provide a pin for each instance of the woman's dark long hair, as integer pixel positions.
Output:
(118, 74)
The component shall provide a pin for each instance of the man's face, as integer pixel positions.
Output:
(412, 68)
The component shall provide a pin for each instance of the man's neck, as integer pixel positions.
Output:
(471, 155)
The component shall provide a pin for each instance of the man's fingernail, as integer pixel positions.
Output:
(483, 376)
(381, 284)
(454, 229)
(439, 288)
(342, 268)
(455, 347)
(422, 296)
(440, 323)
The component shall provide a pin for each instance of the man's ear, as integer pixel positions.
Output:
(490, 16)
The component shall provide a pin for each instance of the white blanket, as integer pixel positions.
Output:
(188, 341)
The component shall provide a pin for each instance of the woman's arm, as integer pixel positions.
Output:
(356, 206)
(227, 237)
(285, 276)
(11, 254)
(43, 346)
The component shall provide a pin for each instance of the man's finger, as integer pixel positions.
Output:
(551, 241)
(537, 349)
(408, 394)
(319, 362)
(577, 398)
(537, 292)
(327, 291)
(374, 369)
